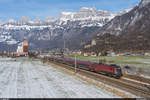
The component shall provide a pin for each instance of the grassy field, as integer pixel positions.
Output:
(135, 61)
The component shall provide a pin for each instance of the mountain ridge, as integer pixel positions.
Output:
(52, 32)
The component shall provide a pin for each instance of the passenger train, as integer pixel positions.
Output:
(111, 70)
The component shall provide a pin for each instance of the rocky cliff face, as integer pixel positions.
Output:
(135, 21)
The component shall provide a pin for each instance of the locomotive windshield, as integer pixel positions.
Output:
(117, 69)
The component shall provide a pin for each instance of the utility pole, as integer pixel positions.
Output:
(64, 45)
(8, 51)
(75, 63)
(98, 59)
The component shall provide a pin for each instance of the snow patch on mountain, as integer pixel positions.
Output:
(86, 17)
(27, 27)
(86, 14)
(10, 42)
(65, 16)
(67, 23)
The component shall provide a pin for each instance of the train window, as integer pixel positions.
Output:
(83, 65)
(94, 66)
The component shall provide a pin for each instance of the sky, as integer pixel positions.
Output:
(43, 8)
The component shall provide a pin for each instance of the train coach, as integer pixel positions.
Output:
(109, 70)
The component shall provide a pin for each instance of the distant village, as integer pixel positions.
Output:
(22, 50)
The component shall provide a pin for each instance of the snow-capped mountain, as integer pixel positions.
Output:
(69, 25)
(87, 17)
(86, 14)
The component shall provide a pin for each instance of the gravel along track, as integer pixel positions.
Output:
(131, 86)
(138, 78)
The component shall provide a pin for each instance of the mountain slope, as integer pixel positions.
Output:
(129, 31)
(136, 20)
(74, 27)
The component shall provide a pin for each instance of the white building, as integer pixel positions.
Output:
(93, 42)
(20, 48)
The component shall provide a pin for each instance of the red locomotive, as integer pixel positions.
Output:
(110, 70)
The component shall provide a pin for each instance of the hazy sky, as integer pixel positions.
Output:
(43, 8)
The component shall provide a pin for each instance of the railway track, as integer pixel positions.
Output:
(141, 79)
(136, 88)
